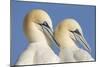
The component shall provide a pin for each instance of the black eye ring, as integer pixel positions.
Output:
(76, 31)
(45, 24)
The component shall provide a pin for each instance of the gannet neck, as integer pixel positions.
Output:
(64, 39)
(68, 43)
(35, 34)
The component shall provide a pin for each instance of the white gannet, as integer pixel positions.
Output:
(68, 35)
(38, 29)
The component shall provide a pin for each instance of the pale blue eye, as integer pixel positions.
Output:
(46, 24)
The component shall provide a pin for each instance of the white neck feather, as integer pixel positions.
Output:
(68, 43)
(36, 35)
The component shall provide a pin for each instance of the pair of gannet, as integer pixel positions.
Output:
(38, 29)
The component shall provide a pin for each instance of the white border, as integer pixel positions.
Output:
(4, 33)
(83, 2)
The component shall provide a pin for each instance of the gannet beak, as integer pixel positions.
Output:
(80, 38)
(49, 32)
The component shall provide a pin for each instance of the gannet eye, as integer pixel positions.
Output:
(76, 31)
(46, 24)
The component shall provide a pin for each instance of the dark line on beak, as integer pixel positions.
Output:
(53, 38)
(85, 44)
(81, 40)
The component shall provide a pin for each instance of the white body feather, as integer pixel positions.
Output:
(66, 55)
(36, 53)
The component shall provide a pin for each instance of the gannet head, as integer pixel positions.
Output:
(70, 28)
(37, 21)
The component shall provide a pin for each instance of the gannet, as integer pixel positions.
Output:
(39, 32)
(69, 35)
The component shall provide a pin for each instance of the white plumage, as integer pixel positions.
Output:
(38, 29)
(68, 35)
